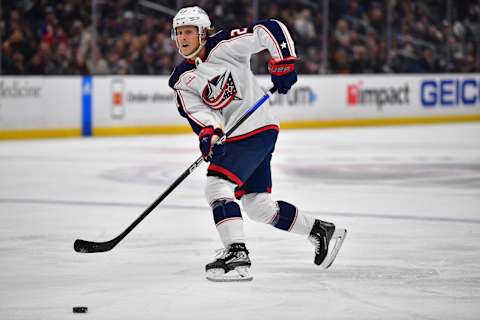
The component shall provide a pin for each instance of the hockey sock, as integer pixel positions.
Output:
(229, 222)
(289, 219)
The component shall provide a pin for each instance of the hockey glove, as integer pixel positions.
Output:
(208, 136)
(283, 73)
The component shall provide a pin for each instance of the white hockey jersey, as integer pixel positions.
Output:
(222, 88)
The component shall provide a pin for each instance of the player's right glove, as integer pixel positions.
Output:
(283, 73)
(208, 136)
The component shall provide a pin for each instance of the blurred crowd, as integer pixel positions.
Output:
(133, 37)
(41, 37)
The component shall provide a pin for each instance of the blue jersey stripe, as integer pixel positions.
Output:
(272, 26)
(286, 216)
(277, 32)
(223, 210)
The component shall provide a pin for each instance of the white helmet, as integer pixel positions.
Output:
(191, 16)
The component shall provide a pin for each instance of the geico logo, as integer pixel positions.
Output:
(298, 95)
(450, 92)
(17, 90)
(356, 95)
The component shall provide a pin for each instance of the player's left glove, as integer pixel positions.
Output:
(283, 73)
(208, 136)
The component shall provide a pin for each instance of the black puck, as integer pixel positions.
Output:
(80, 309)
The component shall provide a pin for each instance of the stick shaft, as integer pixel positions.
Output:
(88, 246)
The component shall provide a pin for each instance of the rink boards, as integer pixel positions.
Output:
(114, 105)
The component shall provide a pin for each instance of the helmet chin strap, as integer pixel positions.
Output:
(196, 52)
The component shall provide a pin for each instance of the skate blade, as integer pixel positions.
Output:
(235, 275)
(338, 236)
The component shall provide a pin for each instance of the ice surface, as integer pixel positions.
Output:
(409, 196)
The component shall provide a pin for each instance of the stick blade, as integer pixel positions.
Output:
(84, 246)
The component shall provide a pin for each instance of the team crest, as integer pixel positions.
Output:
(220, 91)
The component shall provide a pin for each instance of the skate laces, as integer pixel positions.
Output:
(316, 242)
(221, 253)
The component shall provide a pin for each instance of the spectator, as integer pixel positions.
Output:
(342, 34)
(361, 62)
(340, 61)
(55, 37)
(304, 26)
(428, 62)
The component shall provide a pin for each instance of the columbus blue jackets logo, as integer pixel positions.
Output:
(220, 91)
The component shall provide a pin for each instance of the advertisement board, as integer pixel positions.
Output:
(379, 97)
(29, 103)
(133, 101)
(111, 105)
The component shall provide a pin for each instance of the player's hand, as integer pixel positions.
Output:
(283, 73)
(208, 136)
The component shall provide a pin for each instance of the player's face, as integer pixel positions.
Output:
(187, 39)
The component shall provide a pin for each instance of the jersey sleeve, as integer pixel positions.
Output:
(271, 34)
(196, 112)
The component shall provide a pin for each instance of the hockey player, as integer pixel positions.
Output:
(214, 86)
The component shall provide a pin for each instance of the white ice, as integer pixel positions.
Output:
(409, 196)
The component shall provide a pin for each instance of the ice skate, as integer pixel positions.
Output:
(231, 264)
(327, 240)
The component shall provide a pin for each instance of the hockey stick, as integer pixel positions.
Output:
(91, 246)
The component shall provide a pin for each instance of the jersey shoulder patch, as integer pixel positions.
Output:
(178, 71)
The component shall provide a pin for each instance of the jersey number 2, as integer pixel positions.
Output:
(238, 32)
